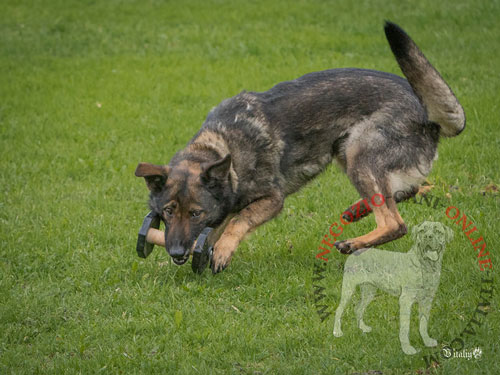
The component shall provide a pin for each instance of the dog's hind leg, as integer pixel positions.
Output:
(348, 288)
(402, 195)
(357, 211)
(362, 208)
(390, 224)
(368, 292)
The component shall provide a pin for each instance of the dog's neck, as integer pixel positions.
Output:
(210, 140)
(210, 147)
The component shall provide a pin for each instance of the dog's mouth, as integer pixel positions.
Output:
(180, 261)
(433, 255)
(431, 252)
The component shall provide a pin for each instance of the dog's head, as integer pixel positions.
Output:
(189, 196)
(430, 239)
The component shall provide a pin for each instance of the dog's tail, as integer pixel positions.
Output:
(441, 104)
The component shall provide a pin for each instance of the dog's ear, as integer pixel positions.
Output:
(216, 172)
(155, 175)
(448, 233)
(415, 231)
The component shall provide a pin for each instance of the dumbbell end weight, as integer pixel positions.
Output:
(148, 235)
(202, 253)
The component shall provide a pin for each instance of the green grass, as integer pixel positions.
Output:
(88, 89)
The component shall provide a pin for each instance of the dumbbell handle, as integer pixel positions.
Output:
(156, 237)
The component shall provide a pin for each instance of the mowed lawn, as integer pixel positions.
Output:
(90, 88)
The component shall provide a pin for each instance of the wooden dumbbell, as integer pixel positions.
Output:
(149, 235)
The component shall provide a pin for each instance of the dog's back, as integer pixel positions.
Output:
(297, 127)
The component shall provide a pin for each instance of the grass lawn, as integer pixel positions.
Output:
(90, 88)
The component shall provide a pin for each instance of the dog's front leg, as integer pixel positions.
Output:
(405, 302)
(424, 309)
(253, 215)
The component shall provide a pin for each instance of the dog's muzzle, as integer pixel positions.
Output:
(178, 253)
(202, 250)
(431, 252)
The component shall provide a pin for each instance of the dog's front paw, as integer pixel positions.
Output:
(345, 247)
(408, 349)
(223, 252)
(365, 328)
(430, 342)
(338, 332)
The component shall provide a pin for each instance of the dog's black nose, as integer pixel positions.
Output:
(176, 251)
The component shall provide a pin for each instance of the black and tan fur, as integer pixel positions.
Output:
(258, 147)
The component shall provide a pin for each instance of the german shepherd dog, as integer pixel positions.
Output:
(256, 148)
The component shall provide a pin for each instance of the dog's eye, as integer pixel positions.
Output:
(169, 211)
(195, 213)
